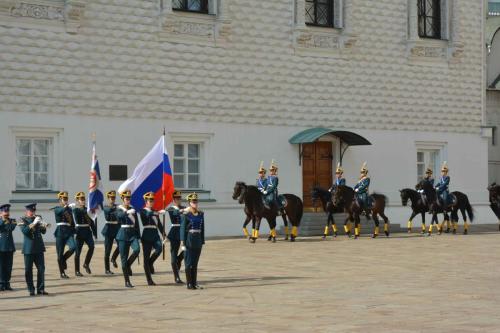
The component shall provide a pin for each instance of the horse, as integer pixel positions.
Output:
(345, 195)
(460, 202)
(255, 210)
(326, 202)
(418, 206)
(494, 191)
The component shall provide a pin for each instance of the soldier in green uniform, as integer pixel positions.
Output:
(64, 234)
(150, 237)
(33, 227)
(109, 231)
(7, 248)
(84, 226)
(128, 236)
(192, 238)
(174, 235)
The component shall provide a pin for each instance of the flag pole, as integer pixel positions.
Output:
(94, 157)
(163, 196)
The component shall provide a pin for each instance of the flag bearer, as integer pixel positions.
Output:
(84, 225)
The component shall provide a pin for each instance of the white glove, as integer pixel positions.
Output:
(37, 220)
(265, 192)
(356, 190)
(420, 191)
(162, 212)
(72, 205)
(131, 211)
(183, 248)
(165, 241)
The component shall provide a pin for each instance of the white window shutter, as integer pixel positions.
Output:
(338, 13)
(445, 19)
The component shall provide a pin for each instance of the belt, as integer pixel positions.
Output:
(82, 225)
(176, 225)
(111, 222)
(127, 226)
(63, 223)
(150, 227)
(195, 231)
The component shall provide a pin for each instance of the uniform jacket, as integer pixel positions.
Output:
(189, 221)
(150, 218)
(127, 234)
(6, 239)
(110, 214)
(33, 241)
(64, 215)
(175, 218)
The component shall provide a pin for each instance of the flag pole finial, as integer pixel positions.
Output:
(93, 136)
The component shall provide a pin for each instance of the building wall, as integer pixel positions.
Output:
(244, 81)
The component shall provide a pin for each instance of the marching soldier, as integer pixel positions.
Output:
(150, 237)
(174, 235)
(109, 231)
(192, 238)
(7, 248)
(128, 236)
(361, 190)
(84, 226)
(65, 229)
(32, 227)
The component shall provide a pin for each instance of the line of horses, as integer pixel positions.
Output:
(342, 200)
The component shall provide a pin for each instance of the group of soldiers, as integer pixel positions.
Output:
(74, 228)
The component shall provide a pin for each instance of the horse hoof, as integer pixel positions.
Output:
(454, 232)
(335, 234)
(374, 236)
(387, 233)
(465, 232)
(409, 231)
(286, 238)
(447, 231)
(269, 238)
(324, 237)
(292, 239)
(274, 239)
(429, 234)
(252, 240)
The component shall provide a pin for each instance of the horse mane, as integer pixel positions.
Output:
(240, 183)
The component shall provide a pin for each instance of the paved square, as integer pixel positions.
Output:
(401, 284)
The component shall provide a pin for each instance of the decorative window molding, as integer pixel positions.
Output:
(59, 15)
(446, 49)
(190, 27)
(429, 154)
(321, 41)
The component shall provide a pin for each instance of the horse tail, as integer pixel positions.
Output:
(378, 196)
(469, 209)
(300, 211)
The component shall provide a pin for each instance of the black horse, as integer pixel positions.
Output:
(255, 210)
(418, 206)
(494, 191)
(345, 195)
(329, 208)
(460, 202)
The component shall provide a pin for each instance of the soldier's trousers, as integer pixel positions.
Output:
(124, 248)
(89, 240)
(148, 246)
(61, 242)
(192, 257)
(39, 260)
(6, 260)
(175, 256)
(108, 245)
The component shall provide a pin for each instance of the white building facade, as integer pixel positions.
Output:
(232, 81)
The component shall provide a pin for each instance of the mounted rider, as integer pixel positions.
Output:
(272, 187)
(361, 189)
(262, 183)
(427, 179)
(442, 187)
(339, 179)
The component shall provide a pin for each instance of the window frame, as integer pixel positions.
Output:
(331, 14)
(32, 172)
(436, 19)
(441, 150)
(204, 7)
(185, 158)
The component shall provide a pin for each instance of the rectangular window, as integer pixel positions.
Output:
(427, 158)
(118, 172)
(319, 13)
(33, 163)
(197, 6)
(187, 165)
(429, 19)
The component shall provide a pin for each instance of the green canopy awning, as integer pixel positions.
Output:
(313, 134)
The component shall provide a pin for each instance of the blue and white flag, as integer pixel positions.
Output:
(95, 197)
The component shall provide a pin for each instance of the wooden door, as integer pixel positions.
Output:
(317, 161)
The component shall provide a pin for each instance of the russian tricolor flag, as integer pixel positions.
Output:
(152, 174)
(95, 197)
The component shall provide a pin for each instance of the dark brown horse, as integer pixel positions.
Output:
(494, 191)
(325, 197)
(255, 210)
(345, 195)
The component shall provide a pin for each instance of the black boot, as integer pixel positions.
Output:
(152, 261)
(127, 278)
(188, 278)
(77, 266)
(175, 269)
(66, 256)
(147, 271)
(116, 252)
(180, 257)
(88, 257)
(195, 278)
(106, 267)
(61, 269)
(130, 261)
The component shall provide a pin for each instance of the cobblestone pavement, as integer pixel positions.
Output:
(406, 283)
